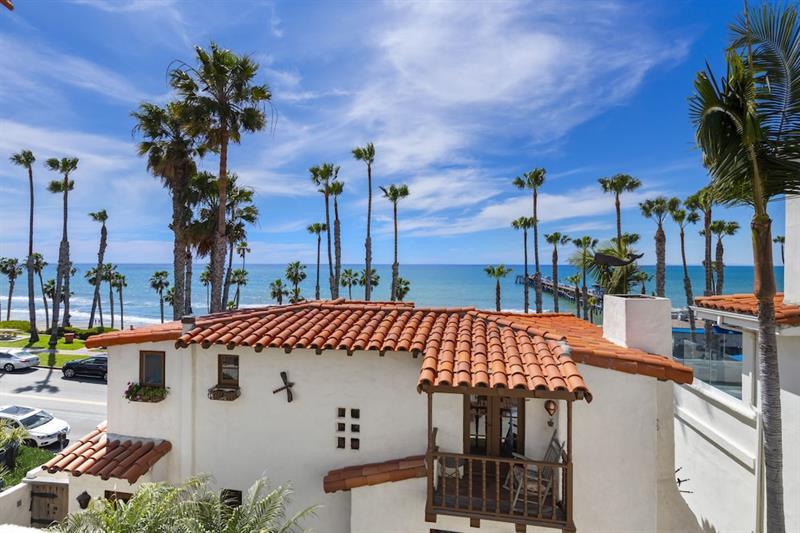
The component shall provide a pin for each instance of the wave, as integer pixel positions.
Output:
(81, 318)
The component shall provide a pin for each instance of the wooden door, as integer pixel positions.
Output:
(494, 426)
(48, 503)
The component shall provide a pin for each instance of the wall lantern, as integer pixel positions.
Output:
(84, 499)
(551, 407)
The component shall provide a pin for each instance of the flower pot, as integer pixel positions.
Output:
(69, 338)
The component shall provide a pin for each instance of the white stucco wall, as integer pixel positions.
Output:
(789, 364)
(15, 503)
(791, 270)
(96, 487)
(638, 321)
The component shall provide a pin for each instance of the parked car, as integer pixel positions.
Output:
(95, 366)
(10, 361)
(43, 428)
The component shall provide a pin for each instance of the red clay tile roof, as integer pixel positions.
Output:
(107, 456)
(746, 304)
(374, 473)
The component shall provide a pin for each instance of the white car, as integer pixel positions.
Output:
(43, 428)
(10, 361)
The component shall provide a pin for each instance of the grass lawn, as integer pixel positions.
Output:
(43, 340)
(61, 358)
(27, 459)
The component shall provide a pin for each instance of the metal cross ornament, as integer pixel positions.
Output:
(287, 386)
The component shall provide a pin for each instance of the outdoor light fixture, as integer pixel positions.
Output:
(551, 407)
(84, 499)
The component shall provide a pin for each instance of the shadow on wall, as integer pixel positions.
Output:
(678, 515)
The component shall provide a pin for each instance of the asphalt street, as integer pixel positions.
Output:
(79, 401)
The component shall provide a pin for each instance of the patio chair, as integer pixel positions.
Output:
(527, 477)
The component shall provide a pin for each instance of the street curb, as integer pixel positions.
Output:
(47, 367)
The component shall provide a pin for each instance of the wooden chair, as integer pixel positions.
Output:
(527, 477)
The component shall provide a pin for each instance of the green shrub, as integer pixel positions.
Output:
(21, 325)
(82, 333)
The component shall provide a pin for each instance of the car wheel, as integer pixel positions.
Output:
(105, 376)
(8, 367)
(30, 443)
(69, 373)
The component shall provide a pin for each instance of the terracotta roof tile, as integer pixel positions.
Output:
(746, 304)
(353, 477)
(107, 456)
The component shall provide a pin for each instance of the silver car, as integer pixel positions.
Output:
(43, 428)
(10, 361)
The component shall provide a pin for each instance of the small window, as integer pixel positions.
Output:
(228, 370)
(355, 428)
(230, 497)
(341, 412)
(341, 443)
(355, 413)
(355, 444)
(340, 426)
(151, 369)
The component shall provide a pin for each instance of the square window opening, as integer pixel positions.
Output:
(228, 370)
(151, 369)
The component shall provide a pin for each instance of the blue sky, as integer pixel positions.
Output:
(458, 98)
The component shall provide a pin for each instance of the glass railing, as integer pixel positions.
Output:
(716, 360)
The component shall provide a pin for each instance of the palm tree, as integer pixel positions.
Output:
(205, 280)
(26, 159)
(321, 176)
(394, 194)
(108, 273)
(169, 297)
(780, 239)
(159, 281)
(641, 277)
(575, 280)
(524, 223)
(367, 155)
(721, 228)
(242, 249)
(336, 188)
(616, 280)
(119, 282)
(49, 291)
(555, 239)
(373, 277)
(657, 209)
(616, 185)
(317, 229)
(349, 278)
(101, 217)
(170, 153)
(65, 167)
(295, 274)
(10, 268)
(277, 291)
(533, 180)
(221, 101)
(94, 279)
(241, 211)
(747, 129)
(497, 272)
(703, 201)
(582, 259)
(402, 288)
(239, 278)
(682, 218)
(38, 265)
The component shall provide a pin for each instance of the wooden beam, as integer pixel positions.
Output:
(7, 4)
(502, 391)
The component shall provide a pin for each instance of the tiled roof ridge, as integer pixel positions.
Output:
(352, 477)
(747, 304)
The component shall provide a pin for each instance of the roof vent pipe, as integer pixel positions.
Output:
(187, 323)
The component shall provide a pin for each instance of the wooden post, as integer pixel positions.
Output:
(429, 515)
(570, 521)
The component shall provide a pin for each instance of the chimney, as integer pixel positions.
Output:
(187, 323)
(791, 270)
(638, 321)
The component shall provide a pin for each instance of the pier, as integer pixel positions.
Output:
(567, 292)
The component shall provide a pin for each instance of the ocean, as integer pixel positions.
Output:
(431, 285)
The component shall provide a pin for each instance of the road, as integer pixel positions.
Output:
(79, 401)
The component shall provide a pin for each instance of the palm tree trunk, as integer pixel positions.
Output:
(31, 294)
(337, 244)
(44, 300)
(395, 267)
(226, 290)
(350, 292)
(187, 290)
(10, 293)
(497, 294)
(111, 302)
(161, 305)
(100, 255)
(555, 279)
(236, 298)
(220, 241)
(526, 280)
(720, 266)
(63, 260)
(537, 279)
(783, 261)
(687, 287)
(178, 253)
(100, 309)
(661, 260)
(577, 302)
(67, 263)
(121, 310)
(585, 295)
(368, 241)
(319, 245)
(618, 209)
(331, 278)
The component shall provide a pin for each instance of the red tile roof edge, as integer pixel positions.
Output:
(786, 315)
(352, 477)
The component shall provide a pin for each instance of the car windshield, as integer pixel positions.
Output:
(36, 420)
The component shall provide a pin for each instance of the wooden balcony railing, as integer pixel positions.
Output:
(496, 488)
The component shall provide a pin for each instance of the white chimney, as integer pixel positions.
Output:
(638, 321)
(791, 270)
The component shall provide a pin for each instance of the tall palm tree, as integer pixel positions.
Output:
(295, 274)
(658, 209)
(119, 282)
(555, 239)
(366, 154)
(101, 217)
(10, 267)
(372, 279)
(321, 176)
(317, 228)
(171, 153)
(616, 185)
(395, 193)
(575, 280)
(524, 224)
(38, 265)
(582, 259)
(402, 289)
(336, 188)
(159, 282)
(221, 101)
(49, 291)
(65, 166)
(95, 277)
(277, 291)
(26, 159)
(242, 249)
(683, 218)
(241, 211)
(748, 127)
(108, 273)
(703, 202)
(239, 278)
(187, 292)
(533, 180)
(205, 281)
(497, 272)
(780, 239)
(169, 297)
(349, 278)
(722, 228)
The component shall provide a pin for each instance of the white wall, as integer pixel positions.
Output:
(15, 503)
(97, 487)
(791, 270)
(789, 364)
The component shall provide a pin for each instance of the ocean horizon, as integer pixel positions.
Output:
(431, 286)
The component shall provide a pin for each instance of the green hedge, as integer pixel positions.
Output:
(22, 325)
(84, 334)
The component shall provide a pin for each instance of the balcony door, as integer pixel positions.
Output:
(494, 426)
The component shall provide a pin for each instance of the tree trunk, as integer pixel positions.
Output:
(10, 293)
(687, 287)
(368, 241)
(395, 267)
(220, 241)
(226, 290)
(537, 279)
(121, 310)
(350, 291)
(526, 280)
(337, 244)
(319, 245)
(555, 279)
(65, 321)
(161, 305)
(63, 260)
(577, 302)
(236, 298)
(187, 291)
(111, 302)
(100, 309)
(720, 266)
(100, 255)
(585, 295)
(178, 253)
(34, 337)
(331, 277)
(497, 295)
(44, 300)
(661, 261)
